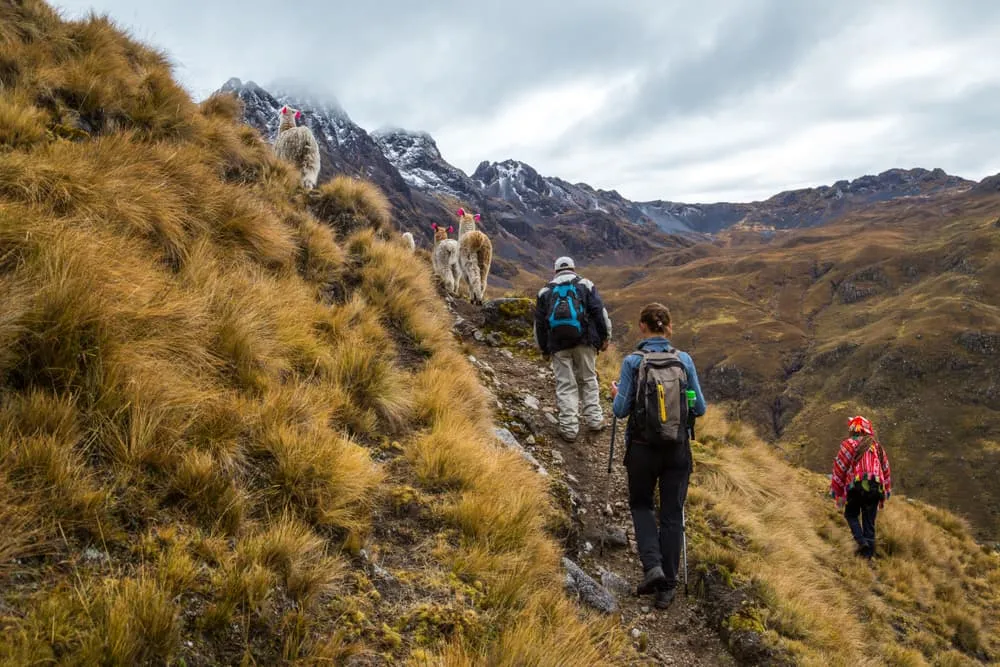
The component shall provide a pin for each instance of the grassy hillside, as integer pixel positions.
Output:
(893, 312)
(230, 430)
(932, 597)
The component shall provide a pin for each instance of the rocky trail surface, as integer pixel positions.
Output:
(497, 339)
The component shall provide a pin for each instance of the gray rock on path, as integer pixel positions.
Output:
(508, 440)
(615, 584)
(613, 536)
(531, 402)
(588, 591)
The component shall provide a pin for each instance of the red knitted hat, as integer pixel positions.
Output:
(859, 424)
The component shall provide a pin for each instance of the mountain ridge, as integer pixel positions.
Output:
(512, 190)
(522, 238)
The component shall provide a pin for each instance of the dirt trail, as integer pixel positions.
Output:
(678, 635)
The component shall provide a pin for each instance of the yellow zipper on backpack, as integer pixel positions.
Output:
(663, 404)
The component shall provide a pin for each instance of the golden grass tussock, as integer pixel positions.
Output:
(349, 204)
(207, 377)
(928, 594)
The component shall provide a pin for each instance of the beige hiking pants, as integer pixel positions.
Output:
(576, 389)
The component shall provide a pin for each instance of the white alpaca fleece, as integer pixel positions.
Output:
(475, 255)
(298, 146)
(409, 242)
(444, 259)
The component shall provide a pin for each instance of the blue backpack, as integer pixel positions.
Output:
(567, 315)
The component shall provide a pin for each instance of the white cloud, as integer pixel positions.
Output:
(658, 99)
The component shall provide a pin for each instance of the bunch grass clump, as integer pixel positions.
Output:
(200, 376)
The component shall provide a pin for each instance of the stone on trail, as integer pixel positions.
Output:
(587, 590)
(615, 584)
(508, 440)
(531, 402)
(611, 536)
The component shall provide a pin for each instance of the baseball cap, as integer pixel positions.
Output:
(564, 263)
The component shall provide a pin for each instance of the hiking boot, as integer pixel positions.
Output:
(566, 437)
(598, 427)
(664, 597)
(653, 581)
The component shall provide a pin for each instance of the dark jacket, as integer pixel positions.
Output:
(598, 322)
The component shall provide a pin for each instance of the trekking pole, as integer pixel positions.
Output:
(691, 397)
(614, 429)
(607, 484)
(684, 542)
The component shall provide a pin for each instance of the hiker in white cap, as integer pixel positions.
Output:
(571, 326)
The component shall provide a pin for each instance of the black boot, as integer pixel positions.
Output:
(653, 580)
(664, 597)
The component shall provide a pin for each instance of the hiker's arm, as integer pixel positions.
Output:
(598, 314)
(541, 326)
(838, 480)
(623, 401)
(886, 473)
(700, 407)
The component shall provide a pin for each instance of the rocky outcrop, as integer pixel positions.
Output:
(581, 585)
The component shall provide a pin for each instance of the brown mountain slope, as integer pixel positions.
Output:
(772, 568)
(894, 312)
(230, 433)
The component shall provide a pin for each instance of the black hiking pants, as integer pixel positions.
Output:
(864, 505)
(647, 467)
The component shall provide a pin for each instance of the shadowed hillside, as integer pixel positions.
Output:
(228, 430)
(893, 312)
(771, 543)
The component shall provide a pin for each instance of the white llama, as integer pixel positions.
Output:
(409, 242)
(475, 254)
(298, 146)
(444, 259)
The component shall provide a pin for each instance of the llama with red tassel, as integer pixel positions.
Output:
(475, 254)
(298, 146)
(444, 259)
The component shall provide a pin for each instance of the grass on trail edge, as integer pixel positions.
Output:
(215, 389)
(931, 597)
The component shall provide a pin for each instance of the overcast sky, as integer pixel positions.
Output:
(702, 101)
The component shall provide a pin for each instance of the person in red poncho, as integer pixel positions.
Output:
(861, 482)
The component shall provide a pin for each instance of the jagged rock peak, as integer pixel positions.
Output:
(397, 141)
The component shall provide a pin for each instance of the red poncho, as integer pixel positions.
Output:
(849, 469)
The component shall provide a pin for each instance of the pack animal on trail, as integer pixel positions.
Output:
(444, 259)
(298, 146)
(475, 254)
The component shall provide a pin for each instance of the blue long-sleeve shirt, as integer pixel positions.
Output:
(630, 369)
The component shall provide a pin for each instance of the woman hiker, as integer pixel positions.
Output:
(861, 482)
(657, 446)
